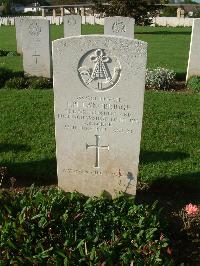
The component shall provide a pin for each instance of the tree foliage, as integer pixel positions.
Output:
(140, 10)
(6, 7)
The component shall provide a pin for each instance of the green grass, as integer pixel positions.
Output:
(167, 47)
(170, 140)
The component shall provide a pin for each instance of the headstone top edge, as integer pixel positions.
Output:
(121, 17)
(74, 15)
(38, 20)
(101, 37)
(196, 20)
(118, 17)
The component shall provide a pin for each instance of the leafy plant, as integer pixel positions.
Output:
(40, 83)
(12, 53)
(194, 83)
(8, 53)
(160, 79)
(52, 227)
(5, 74)
(16, 83)
(3, 53)
(21, 82)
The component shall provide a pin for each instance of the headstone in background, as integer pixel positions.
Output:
(72, 25)
(182, 13)
(19, 22)
(178, 12)
(37, 48)
(119, 26)
(193, 68)
(12, 21)
(99, 84)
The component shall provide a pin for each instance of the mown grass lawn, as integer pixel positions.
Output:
(167, 47)
(170, 146)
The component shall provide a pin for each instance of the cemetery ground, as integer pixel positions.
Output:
(170, 148)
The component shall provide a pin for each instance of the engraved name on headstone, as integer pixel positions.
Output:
(119, 26)
(193, 68)
(72, 25)
(19, 22)
(99, 86)
(37, 48)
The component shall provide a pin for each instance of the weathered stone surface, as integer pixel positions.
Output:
(19, 22)
(194, 55)
(99, 86)
(119, 26)
(37, 48)
(72, 25)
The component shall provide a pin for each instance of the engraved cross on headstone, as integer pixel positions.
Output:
(36, 57)
(98, 147)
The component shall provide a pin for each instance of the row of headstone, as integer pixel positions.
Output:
(172, 22)
(99, 83)
(6, 21)
(33, 39)
(37, 60)
(118, 26)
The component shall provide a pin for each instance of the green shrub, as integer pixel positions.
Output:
(160, 79)
(8, 53)
(51, 227)
(3, 53)
(5, 74)
(194, 83)
(40, 83)
(16, 83)
(12, 53)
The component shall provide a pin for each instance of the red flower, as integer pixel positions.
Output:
(169, 251)
(191, 209)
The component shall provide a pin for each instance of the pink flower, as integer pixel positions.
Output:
(169, 251)
(191, 209)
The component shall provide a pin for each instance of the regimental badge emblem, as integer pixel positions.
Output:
(98, 71)
(34, 29)
(71, 21)
(119, 27)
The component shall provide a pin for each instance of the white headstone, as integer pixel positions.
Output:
(12, 21)
(37, 48)
(72, 25)
(193, 68)
(99, 84)
(119, 26)
(19, 22)
(83, 19)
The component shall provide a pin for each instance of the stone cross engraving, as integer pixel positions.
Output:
(36, 57)
(97, 149)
